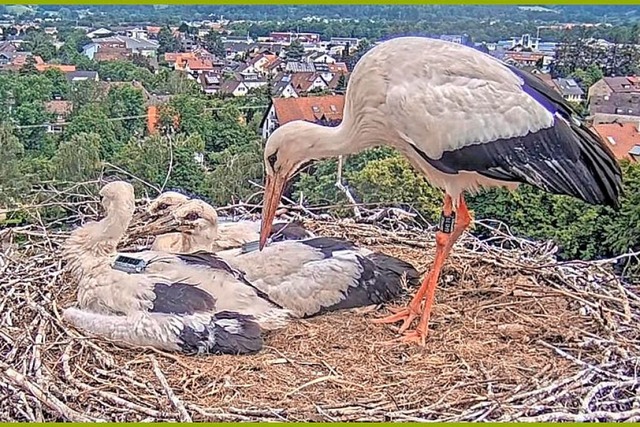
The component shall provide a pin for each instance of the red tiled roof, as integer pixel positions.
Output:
(625, 136)
(338, 67)
(310, 108)
(199, 64)
(63, 68)
(178, 56)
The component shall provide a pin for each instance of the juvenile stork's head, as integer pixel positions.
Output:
(118, 197)
(195, 217)
(165, 201)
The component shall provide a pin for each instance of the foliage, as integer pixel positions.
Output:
(92, 119)
(586, 78)
(167, 42)
(233, 168)
(39, 43)
(393, 180)
(213, 43)
(78, 159)
(295, 51)
(153, 157)
(12, 182)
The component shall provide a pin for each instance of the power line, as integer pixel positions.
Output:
(115, 119)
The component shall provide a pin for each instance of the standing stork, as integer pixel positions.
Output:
(465, 120)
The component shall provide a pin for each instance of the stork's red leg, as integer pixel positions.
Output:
(444, 243)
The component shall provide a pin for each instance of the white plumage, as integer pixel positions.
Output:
(463, 119)
(193, 301)
(209, 232)
(308, 276)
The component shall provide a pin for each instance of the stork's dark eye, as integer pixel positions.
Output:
(272, 159)
(192, 216)
(162, 206)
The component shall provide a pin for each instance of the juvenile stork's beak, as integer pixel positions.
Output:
(164, 224)
(272, 194)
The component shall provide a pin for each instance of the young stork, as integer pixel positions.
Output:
(465, 120)
(227, 235)
(110, 286)
(307, 277)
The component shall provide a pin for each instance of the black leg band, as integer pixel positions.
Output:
(447, 222)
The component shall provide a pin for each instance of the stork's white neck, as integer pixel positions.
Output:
(350, 137)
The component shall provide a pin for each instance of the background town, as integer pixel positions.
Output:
(137, 91)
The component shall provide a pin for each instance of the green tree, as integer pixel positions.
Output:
(126, 101)
(78, 159)
(213, 43)
(152, 158)
(59, 84)
(167, 42)
(233, 168)
(39, 43)
(341, 86)
(29, 66)
(32, 114)
(93, 119)
(12, 180)
(295, 51)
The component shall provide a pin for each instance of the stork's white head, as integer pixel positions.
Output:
(289, 147)
(196, 217)
(164, 201)
(118, 197)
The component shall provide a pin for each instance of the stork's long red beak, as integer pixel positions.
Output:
(272, 194)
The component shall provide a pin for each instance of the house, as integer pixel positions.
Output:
(64, 68)
(196, 66)
(60, 111)
(307, 82)
(16, 60)
(320, 57)
(288, 37)
(79, 76)
(623, 139)
(324, 110)
(615, 96)
(299, 67)
(233, 87)
(523, 59)
(99, 33)
(259, 64)
(352, 42)
(7, 47)
(569, 90)
(209, 82)
(283, 88)
(120, 44)
(457, 38)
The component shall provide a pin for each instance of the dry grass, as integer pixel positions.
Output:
(514, 336)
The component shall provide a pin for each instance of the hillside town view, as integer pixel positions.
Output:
(319, 213)
(89, 90)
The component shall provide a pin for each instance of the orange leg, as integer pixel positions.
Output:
(444, 243)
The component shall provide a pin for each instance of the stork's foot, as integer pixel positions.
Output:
(415, 336)
(406, 314)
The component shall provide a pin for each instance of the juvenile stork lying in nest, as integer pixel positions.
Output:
(307, 277)
(189, 302)
(223, 235)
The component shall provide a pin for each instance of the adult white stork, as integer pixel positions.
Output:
(465, 120)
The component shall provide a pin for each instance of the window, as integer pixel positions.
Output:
(315, 109)
(333, 108)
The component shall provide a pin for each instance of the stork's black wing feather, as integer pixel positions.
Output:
(566, 158)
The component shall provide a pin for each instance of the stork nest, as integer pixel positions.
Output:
(515, 335)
